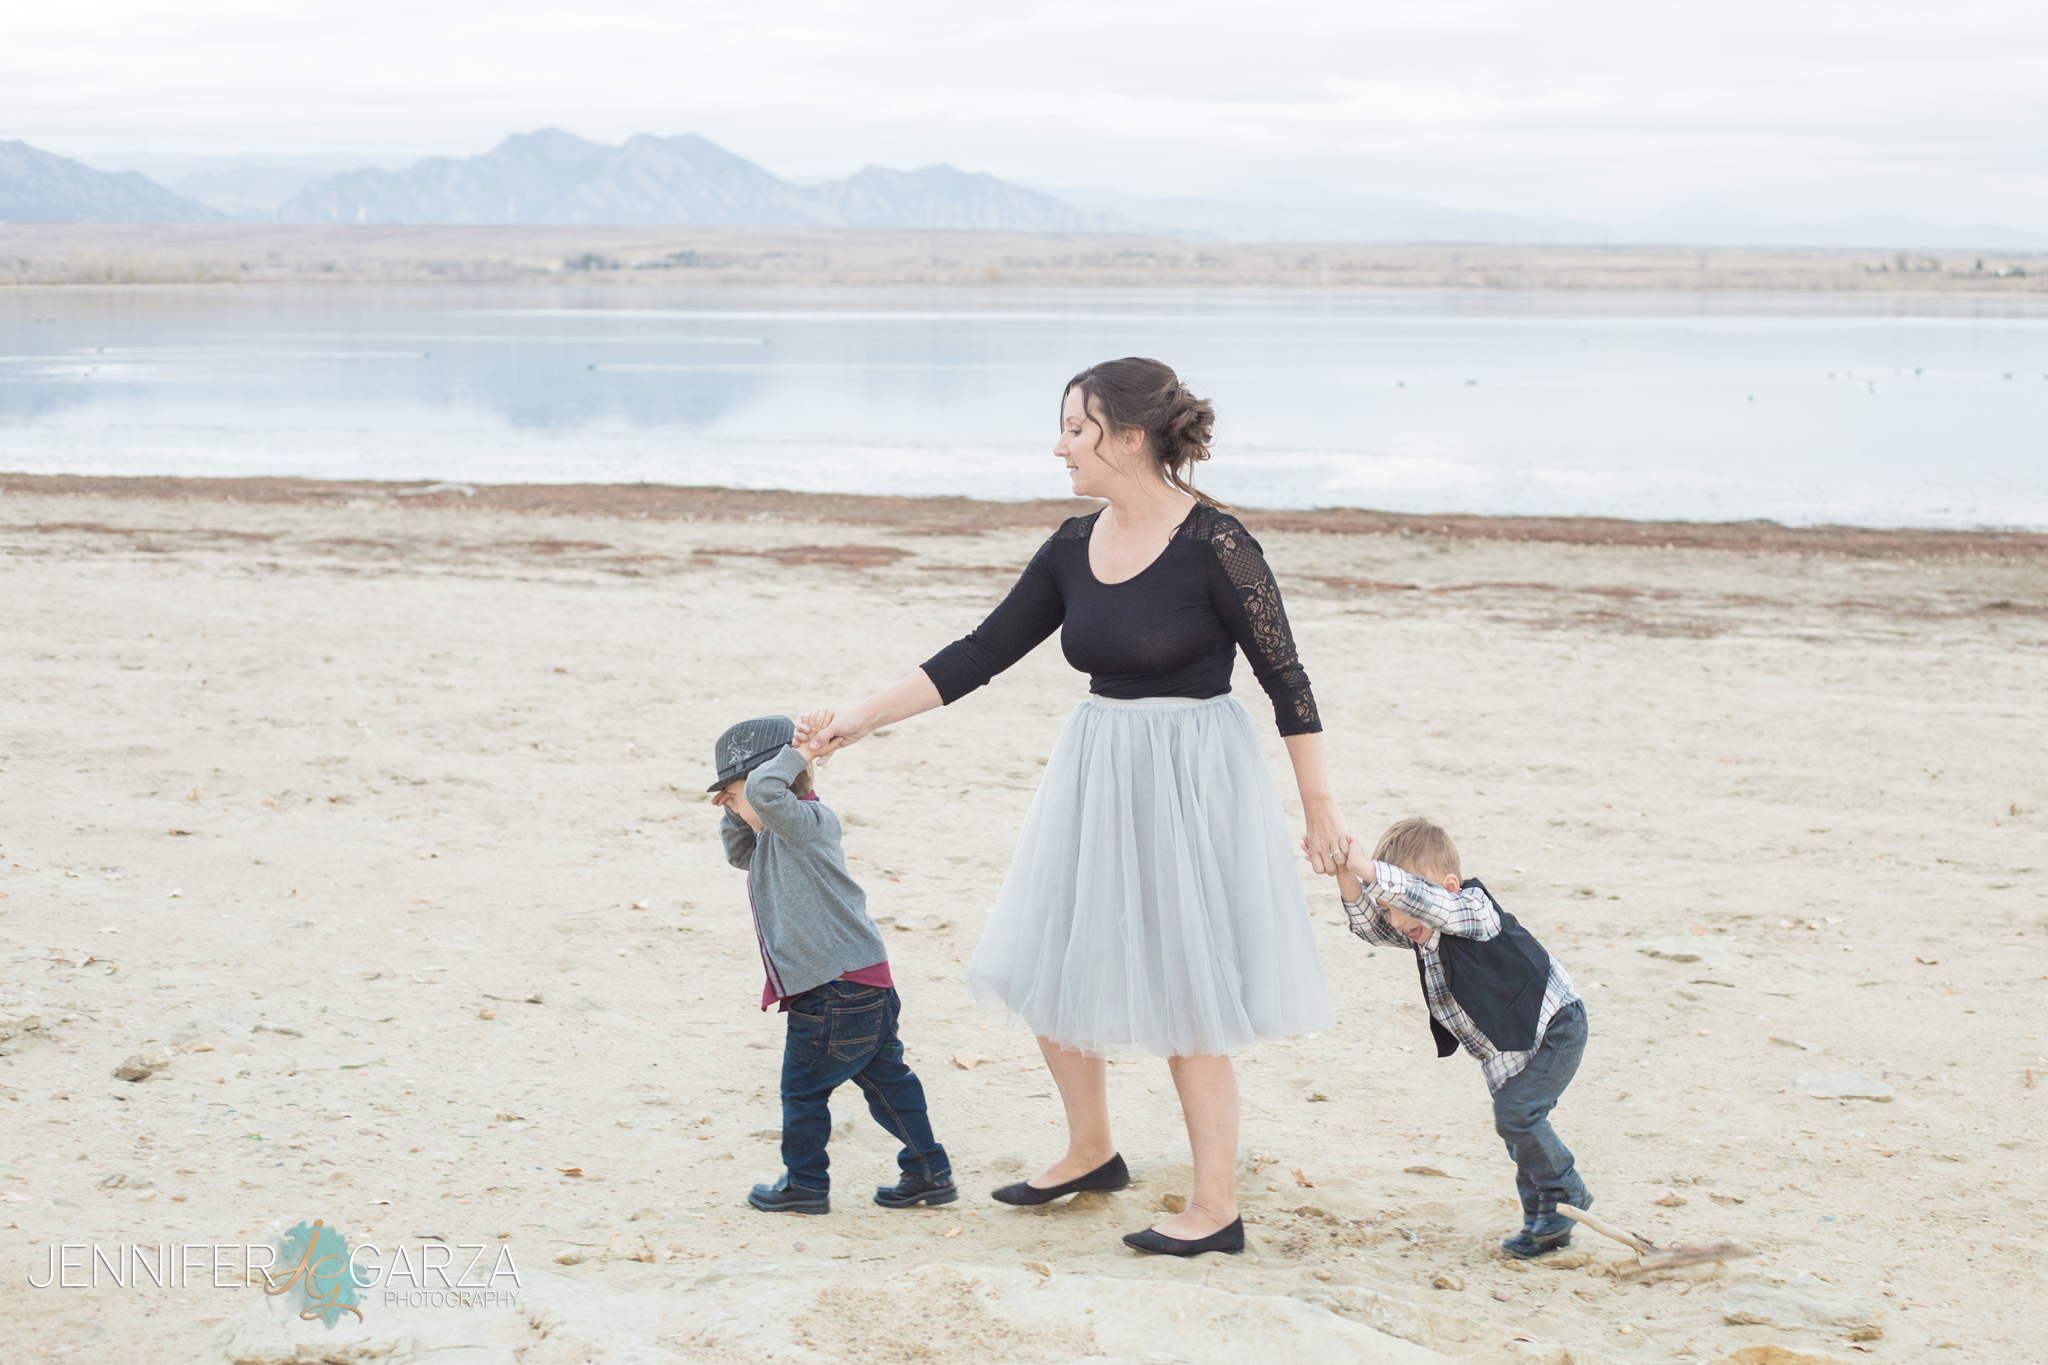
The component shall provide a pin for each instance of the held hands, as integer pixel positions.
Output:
(1347, 859)
(1325, 842)
(811, 739)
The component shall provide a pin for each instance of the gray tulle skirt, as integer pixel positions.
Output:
(1153, 906)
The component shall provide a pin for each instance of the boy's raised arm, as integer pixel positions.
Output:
(739, 840)
(1467, 913)
(1364, 918)
(793, 819)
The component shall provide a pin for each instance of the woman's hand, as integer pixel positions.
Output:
(824, 731)
(1326, 832)
(910, 696)
(808, 726)
(1327, 840)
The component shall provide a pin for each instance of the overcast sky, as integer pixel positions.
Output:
(1603, 109)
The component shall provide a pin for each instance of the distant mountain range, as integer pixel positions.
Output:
(555, 177)
(39, 186)
(552, 176)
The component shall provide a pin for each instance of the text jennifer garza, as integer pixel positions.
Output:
(432, 1274)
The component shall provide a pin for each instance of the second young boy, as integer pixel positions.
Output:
(1491, 988)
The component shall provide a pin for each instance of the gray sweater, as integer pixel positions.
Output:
(810, 915)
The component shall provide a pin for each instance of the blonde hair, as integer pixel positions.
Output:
(1419, 846)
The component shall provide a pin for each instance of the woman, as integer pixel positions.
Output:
(1153, 904)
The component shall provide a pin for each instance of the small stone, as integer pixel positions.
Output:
(1317, 1097)
(1447, 1281)
(1038, 1267)
(486, 1014)
(1503, 1295)
(1843, 1085)
(1670, 1199)
(1174, 1203)
(967, 1061)
(141, 1066)
(14, 1025)
(572, 1256)
(1323, 1274)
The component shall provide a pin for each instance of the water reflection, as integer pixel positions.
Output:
(1813, 408)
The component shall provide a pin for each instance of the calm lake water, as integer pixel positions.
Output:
(1868, 410)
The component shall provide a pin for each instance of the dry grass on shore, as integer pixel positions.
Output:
(97, 253)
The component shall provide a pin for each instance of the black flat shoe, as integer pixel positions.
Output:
(911, 1191)
(1229, 1240)
(782, 1197)
(1110, 1175)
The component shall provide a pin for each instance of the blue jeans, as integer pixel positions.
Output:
(1545, 1173)
(841, 1032)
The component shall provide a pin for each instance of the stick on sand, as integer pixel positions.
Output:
(1649, 1256)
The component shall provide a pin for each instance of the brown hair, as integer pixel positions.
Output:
(1134, 394)
(1419, 846)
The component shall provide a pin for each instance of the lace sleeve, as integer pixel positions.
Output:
(1249, 601)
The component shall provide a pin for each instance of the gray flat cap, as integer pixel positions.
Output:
(748, 745)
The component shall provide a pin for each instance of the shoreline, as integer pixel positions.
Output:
(967, 516)
(61, 254)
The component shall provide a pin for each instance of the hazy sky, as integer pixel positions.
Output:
(1602, 109)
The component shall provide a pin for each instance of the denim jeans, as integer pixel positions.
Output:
(1545, 1174)
(841, 1032)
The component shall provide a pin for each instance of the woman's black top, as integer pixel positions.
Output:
(1172, 631)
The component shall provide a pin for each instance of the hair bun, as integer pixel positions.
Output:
(1139, 394)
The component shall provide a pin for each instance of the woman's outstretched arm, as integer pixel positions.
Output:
(910, 696)
(1018, 625)
(1326, 832)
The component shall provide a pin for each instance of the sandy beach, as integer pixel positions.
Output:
(366, 824)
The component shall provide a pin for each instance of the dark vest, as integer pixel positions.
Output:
(1499, 983)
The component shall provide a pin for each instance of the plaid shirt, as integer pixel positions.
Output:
(1467, 914)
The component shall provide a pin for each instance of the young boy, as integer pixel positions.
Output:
(826, 967)
(1490, 986)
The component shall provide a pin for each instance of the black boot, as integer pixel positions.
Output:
(913, 1190)
(783, 1197)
